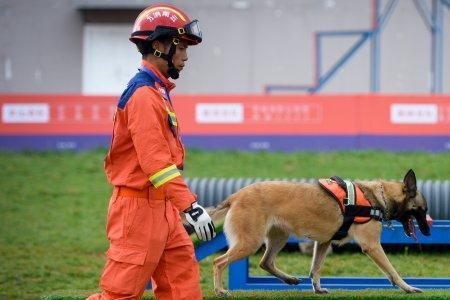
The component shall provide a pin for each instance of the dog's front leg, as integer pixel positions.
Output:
(377, 254)
(368, 237)
(320, 252)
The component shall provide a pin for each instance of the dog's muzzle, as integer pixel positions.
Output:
(407, 221)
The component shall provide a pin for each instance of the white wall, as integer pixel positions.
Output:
(109, 59)
(247, 44)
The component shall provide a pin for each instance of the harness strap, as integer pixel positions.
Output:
(343, 230)
(352, 211)
(350, 190)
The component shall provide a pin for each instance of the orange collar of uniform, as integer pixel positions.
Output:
(167, 83)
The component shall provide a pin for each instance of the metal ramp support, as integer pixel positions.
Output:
(433, 19)
(240, 279)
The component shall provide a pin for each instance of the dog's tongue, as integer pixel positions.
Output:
(412, 229)
(429, 220)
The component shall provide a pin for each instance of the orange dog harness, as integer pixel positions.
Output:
(354, 206)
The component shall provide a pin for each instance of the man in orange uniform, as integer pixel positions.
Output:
(147, 238)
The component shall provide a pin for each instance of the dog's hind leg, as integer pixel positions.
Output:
(368, 237)
(241, 250)
(243, 242)
(276, 239)
(319, 254)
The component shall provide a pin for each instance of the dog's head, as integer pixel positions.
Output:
(407, 205)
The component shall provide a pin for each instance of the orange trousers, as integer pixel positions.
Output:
(147, 241)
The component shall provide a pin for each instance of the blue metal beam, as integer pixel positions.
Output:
(437, 47)
(424, 13)
(318, 59)
(344, 58)
(375, 51)
(396, 235)
(215, 245)
(434, 23)
(386, 14)
(340, 33)
(240, 280)
(375, 60)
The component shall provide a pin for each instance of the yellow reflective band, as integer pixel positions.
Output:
(173, 118)
(164, 175)
(166, 179)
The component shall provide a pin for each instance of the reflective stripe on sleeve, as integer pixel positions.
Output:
(166, 174)
(173, 118)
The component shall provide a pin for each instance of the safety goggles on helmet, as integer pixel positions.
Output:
(191, 31)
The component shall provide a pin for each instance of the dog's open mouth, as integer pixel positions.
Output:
(409, 228)
(423, 220)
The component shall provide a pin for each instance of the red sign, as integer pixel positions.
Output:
(238, 114)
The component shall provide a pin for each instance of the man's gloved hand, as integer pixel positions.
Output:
(201, 221)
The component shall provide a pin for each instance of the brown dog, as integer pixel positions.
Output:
(268, 212)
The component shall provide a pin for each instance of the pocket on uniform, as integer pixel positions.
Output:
(115, 224)
(127, 255)
(124, 271)
(137, 223)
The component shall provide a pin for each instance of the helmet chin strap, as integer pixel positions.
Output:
(172, 71)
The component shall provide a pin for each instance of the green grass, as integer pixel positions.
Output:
(306, 295)
(362, 165)
(53, 213)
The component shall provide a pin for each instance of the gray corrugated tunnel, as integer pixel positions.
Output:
(212, 191)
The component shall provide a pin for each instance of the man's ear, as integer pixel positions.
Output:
(157, 45)
(410, 183)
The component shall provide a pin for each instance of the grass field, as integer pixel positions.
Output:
(53, 208)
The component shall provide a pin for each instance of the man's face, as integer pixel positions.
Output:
(180, 56)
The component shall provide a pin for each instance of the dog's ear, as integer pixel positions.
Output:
(410, 183)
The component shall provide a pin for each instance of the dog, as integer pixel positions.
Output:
(268, 212)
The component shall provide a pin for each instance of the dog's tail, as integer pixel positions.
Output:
(217, 215)
(219, 212)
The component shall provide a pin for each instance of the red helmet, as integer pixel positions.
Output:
(162, 21)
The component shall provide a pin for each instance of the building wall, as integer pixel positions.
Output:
(40, 46)
(247, 45)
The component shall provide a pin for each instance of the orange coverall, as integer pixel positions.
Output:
(147, 238)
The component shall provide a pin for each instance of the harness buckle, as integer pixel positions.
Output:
(346, 201)
(157, 53)
(181, 31)
(376, 214)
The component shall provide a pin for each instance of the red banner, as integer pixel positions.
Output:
(238, 114)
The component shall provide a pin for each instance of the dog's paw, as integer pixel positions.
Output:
(222, 293)
(292, 280)
(413, 290)
(321, 291)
